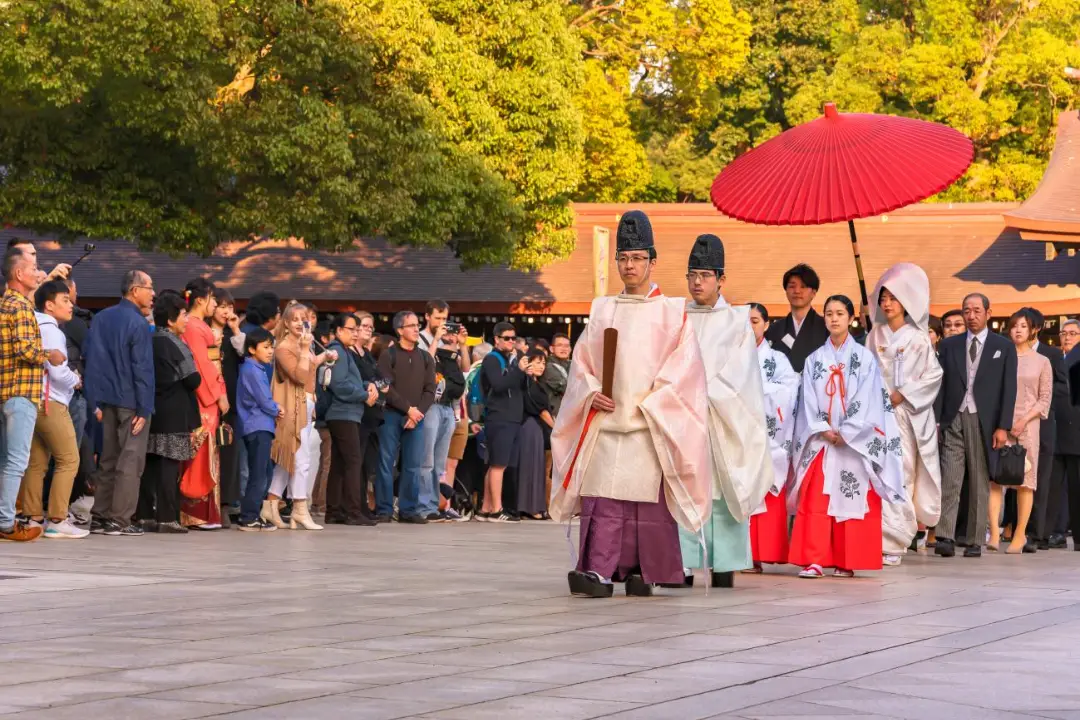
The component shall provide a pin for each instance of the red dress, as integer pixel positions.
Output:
(199, 478)
(769, 531)
(817, 538)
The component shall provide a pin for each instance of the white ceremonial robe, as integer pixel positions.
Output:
(738, 442)
(742, 466)
(909, 365)
(781, 385)
(657, 435)
(842, 390)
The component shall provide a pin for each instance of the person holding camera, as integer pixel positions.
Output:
(441, 420)
(295, 450)
(502, 377)
(373, 414)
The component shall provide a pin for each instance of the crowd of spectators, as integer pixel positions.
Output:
(170, 412)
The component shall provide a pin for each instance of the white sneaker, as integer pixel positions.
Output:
(81, 509)
(64, 531)
(891, 560)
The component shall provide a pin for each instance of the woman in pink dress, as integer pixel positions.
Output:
(1034, 384)
(199, 483)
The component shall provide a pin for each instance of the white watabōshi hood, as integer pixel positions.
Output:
(908, 282)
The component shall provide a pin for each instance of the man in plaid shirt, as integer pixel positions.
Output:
(22, 361)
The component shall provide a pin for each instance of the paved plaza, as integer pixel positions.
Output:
(473, 621)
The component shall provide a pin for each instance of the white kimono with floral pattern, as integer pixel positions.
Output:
(781, 385)
(842, 390)
(909, 365)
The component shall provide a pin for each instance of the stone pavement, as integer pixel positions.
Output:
(473, 622)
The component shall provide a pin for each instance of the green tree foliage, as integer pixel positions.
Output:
(181, 123)
(990, 68)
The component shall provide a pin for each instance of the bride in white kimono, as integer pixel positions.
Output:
(769, 522)
(847, 450)
(901, 342)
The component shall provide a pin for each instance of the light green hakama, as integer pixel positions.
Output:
(728, 542)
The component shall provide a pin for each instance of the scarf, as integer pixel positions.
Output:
(293, 398)
(186, 366)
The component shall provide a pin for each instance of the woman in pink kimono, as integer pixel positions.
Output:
(1034, 385)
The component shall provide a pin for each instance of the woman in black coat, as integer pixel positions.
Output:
(533, 439)
(176, 416)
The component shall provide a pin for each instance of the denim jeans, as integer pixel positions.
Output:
(242, 461)
(258, 453)
(439, 425)
(392, 437)
(77, 409)
(20, 417)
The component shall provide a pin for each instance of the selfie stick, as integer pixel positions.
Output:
(89, 247)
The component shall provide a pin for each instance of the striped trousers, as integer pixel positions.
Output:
(962, 448)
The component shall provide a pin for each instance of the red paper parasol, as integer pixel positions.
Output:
(840, 167)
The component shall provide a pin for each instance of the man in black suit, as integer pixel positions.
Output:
(803, 331)
(1065, 475)
(975, 411)
(1044, 512)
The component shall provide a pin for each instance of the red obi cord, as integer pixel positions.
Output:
(834, 386)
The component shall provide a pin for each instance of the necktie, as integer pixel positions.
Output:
(973, 349)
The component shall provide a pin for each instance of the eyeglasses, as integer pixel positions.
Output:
(350, 329)
(1069, 333)
(367, 326)
(508, 338)
(143, 287)
(410, 326)
(700, 276)
(632, 259)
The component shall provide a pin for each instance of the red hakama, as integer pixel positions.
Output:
(817, 538)
(769, 531)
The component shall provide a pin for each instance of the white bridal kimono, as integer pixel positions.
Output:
(781, 386)
(842, 391)
(742, 471)
(909, 364)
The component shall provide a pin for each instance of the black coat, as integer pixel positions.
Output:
(1073, 361)
(1059, 397)
(176, 409)
(812, 335)
(1068, 415)
(994, 391)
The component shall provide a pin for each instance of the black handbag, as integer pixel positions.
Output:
(1010, 469)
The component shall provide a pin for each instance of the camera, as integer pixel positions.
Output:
(89, 247)
(382, 385)
(453, 328)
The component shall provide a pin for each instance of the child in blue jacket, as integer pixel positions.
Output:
(258, 414)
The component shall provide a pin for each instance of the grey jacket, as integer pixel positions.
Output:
(348, 391)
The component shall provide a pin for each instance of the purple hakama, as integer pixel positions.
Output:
(620, 537)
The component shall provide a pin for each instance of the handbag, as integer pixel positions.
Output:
(1011, 463)
(224, 435)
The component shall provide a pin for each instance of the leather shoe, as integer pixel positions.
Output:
(335, 518)
(973, 551)
(944, 548)
(1057, 542)
(360, 520)
(1030, 548)
(723, 579)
